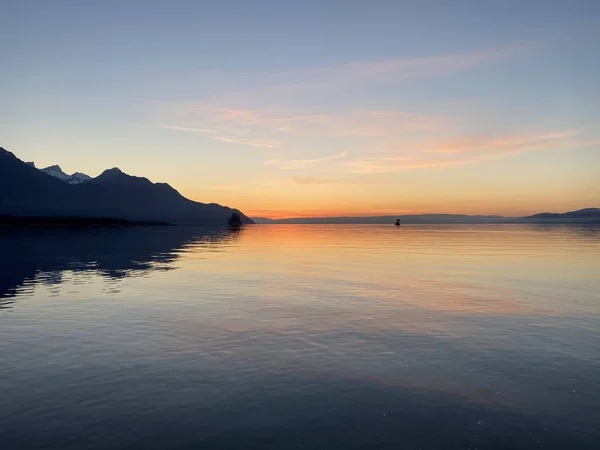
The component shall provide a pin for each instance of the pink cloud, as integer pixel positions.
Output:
(467, 150)
(406, 68)
(262, 143)
(474, 144)
(232, 119)
(215, 117)
(302, 163)
(366, 123)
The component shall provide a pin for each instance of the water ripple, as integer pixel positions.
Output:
(276, 337)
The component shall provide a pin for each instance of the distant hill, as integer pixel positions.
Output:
(423, 218)
(27, 191)
(589, 215)
(582, 215)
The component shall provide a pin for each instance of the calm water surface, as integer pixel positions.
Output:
(287, 337)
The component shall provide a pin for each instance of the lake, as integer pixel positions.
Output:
(301, 337)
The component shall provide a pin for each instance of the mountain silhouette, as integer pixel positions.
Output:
(582, 215)
(29, 192)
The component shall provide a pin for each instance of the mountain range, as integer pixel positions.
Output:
(588, 215)
(49, 192)
(30, 192)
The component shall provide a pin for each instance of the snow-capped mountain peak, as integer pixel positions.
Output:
(78, 178)
(56, 172)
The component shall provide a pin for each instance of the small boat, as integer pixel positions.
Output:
(397, 222)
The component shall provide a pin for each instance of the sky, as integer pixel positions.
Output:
(314, 108)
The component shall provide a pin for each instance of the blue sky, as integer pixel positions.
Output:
(314, 108)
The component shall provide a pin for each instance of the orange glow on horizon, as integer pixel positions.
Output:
(303, 214)
(282, 214)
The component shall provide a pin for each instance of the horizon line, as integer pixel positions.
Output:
(366, 216)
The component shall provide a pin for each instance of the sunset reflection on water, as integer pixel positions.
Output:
(263, 335)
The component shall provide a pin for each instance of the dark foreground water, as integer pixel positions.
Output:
(301, 337)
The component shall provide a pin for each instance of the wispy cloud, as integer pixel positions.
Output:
(240, 118)
(220, 137)
(270, 128)
(223, 118)
(301, 163)
(261, 143)
(351, 74)
(383, 165)
(467, 150)
(195, 130)
(378, 71)
(520, 143)
(273, 159)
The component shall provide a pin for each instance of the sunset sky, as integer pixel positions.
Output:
(314, 108)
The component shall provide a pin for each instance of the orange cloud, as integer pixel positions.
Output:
(301, 163)
(470, 149)
(467, 145)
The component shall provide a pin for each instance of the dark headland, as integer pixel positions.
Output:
(49, 197)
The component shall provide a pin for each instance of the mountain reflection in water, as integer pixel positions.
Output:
(32, 257)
